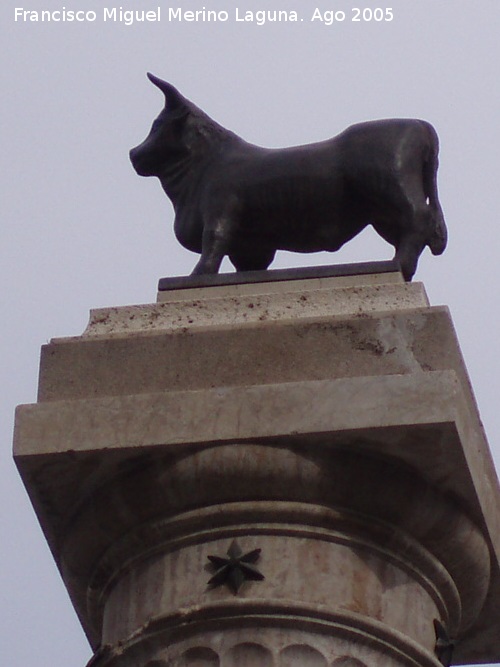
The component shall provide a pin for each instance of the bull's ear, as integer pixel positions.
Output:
(173, 99)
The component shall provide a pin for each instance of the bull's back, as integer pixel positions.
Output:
(304, 186)
(385, 146)
(380, 146)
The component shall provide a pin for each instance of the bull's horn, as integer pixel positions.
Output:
(172, 95)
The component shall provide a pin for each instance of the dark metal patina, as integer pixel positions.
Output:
(237, 199)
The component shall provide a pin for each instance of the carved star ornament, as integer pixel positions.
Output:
(234, 570)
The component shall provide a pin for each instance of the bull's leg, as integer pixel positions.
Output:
(407, 254)
(214, 245)
(412, 240)
(406, 225)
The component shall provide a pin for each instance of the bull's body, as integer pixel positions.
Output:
(233, 198)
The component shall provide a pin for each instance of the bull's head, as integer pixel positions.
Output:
(165, 143)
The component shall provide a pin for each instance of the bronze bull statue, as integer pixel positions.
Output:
(237, 199)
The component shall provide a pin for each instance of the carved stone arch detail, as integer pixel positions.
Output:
(347, 661)
(298, 655)
(248, 654)
(198, 656)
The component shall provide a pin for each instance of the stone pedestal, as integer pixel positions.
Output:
(278, 473)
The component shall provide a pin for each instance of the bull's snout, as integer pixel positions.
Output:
(135, 155)
(145, 158)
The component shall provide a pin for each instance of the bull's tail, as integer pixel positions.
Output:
(438, 235)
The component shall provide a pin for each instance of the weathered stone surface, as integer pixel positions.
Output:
(255, 354)
(341, 438)
(261, 302)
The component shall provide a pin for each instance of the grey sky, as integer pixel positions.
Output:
(80, 229)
